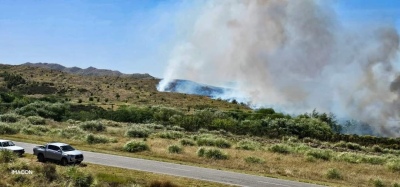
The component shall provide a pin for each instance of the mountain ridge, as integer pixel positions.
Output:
(90, 71)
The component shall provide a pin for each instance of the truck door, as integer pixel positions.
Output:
(52, 152)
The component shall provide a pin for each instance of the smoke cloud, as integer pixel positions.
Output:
(294, 56)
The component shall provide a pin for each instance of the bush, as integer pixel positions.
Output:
(34, 130)
(93, 139)
(9, 118)
(79, 178)
(136, 146)
(248, 145)
(70, 132)
(348, 145)
(36, 120)
(394, 165)
(212, 153)
(7, 156)
(377, 148)
(201, 151)
(138, 132)
(7, 129)
(333, 174)
(162, 184)
(187, 142)
(209, 140)
(320, 154)
(378, 183)
(170, 134)
(280, 148)
(54, 111)
(175, 149)
(175, 128)
(254, 160)
(94, 126)
(49, 172)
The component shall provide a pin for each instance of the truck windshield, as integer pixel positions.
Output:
(7, 144)
(67, 148)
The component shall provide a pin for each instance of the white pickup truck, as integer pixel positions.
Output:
(60, 152)
(9, 145)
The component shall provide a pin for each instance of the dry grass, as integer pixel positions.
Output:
(108, 175)
(288, 166)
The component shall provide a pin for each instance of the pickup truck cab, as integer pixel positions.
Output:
(9, 145)
(60, 152)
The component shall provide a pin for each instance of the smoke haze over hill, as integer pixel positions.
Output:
(295, 56)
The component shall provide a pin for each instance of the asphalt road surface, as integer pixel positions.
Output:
(225, 177)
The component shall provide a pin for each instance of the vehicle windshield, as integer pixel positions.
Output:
(67, 148)
(8, 144)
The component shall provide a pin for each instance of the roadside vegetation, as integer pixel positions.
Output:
(83, 175)
(309, 147)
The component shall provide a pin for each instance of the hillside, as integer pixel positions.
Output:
(88, 71)
(90, 86)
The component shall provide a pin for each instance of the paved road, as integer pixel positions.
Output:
(193, 172)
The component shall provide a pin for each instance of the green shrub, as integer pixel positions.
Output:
(348, 145)
(56, 111)
(376, 160)
(36, 120)
(95, 139)
(377, 148)
(201, 151)
(209, 140)
(320, 154)
(212, 153)
(136, 146)
(49, 171)
(394, 165)
(175, 128)
(94, 126)
(170, 134)
(153, 126)
(301, 148)
(254, 160)
(187, 142)
(29, 131)
(215, 154)
(222, 143)
(280, 148)
(248, 145)
(353, 146)
(333, 174)
(7, 129)
(378, 183)
(9, 118)
(175, 149)
(7, 156)
(138, 132)
(79, 178)
(70, 132)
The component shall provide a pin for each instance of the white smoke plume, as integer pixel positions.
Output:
(295, 55)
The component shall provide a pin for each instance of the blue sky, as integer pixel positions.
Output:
(132, 36)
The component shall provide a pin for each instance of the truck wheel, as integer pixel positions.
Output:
(64, 161)
(41, 158)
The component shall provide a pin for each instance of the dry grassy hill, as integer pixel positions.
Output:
(106, 91)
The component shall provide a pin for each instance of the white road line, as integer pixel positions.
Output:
(176, 168)
(273, 183)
